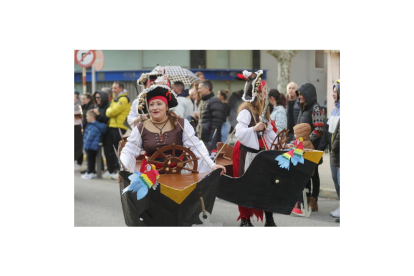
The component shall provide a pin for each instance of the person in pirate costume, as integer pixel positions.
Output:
(162, 128)
(255, 134)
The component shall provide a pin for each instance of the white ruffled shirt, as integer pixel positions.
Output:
(133, 113)
(247, 136)
(133, 148)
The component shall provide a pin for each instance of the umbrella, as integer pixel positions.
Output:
(176, 73)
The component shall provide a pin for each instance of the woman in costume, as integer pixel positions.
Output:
(163, 128)
(255, 133)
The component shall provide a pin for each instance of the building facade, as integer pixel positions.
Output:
(219, 66)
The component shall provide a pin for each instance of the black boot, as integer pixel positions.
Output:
(269, 219)
(245, 223)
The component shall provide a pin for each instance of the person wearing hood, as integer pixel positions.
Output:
(329, 137)
(314, 115)
(102, 103)
(87, 104)
(91, 137)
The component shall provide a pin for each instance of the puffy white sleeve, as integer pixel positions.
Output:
(131, 150)
(133, 113)
(191, 141)
(245, 134)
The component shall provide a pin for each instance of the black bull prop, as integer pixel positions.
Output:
(264, 186)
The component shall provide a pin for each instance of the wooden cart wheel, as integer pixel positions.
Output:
(281, 138)
(173, 164)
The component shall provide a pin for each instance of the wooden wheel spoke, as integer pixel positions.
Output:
(173, 152)
(156, 162)
(190, 160)
(163, 154)
(182, 155)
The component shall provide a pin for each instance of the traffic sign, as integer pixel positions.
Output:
(99, 61)
(85, 58)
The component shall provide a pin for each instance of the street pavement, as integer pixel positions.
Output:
(98, 203)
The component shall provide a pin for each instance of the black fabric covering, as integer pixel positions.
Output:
(257, 187)
(156, 209)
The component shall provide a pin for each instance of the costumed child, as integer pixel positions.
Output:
(303, 131)
(91, 138)
(253, 135)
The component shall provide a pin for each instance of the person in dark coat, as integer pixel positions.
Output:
(211, 116)
(314, 115)
(87, 104)
(102, 104)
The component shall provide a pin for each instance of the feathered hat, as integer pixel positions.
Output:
(253, 85)
(159, 90)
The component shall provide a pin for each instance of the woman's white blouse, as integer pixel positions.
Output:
(247, 136)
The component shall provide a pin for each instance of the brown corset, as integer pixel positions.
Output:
(151, 141)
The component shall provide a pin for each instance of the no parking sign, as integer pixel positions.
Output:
(85, 58)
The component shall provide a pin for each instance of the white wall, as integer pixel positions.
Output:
(302, 70)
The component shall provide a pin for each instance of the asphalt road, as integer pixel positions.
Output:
(97, 203)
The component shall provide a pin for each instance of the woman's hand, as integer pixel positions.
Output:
(96, 111)
(259, 127)
(219, 167)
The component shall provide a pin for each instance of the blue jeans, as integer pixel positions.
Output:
(225, 129)
(335, 176)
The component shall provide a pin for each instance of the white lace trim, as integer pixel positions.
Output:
(247, 74)
(149, 89)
